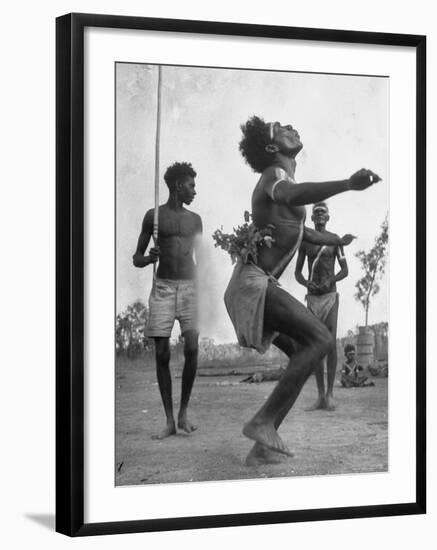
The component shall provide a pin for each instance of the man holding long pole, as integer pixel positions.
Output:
(173, 295)
(175, 231)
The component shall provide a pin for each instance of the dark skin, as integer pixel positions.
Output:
(305, 339)
(323, 281)
(353, 371)
(350, 359)
(178, 232)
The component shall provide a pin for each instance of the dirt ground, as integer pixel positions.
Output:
(351, 439)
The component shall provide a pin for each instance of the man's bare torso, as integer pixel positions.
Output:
(177, 232)
(288, 224)
(321, 265)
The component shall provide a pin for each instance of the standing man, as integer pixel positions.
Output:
(322, 298)
(173, 295)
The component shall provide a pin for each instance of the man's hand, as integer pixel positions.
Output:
(347, 239)
(363, 179)
(326, 286)
(312, 287)
(154, 253)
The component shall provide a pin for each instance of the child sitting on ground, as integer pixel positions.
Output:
(351, 372)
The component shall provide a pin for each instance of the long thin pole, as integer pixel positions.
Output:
(158, 134)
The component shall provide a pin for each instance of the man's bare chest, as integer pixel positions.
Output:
(325, 252)
(177, 225)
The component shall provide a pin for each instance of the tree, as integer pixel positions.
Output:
(373, 265)
(129, 329)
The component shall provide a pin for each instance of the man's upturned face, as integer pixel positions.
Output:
(350, 356)
(320, 216)
(286, 138)
(186, 190)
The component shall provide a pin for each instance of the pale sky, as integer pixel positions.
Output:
(343, 124)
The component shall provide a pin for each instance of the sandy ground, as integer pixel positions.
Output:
(351, 439)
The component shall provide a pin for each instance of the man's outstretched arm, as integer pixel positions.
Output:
(309, 193)
(326, 238)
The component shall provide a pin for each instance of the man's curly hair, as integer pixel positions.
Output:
(253, 144)
(176, 172)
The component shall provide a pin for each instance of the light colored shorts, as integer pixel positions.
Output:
(171, 300)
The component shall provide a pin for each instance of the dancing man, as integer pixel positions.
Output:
(261, 311)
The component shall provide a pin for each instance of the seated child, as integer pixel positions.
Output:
(351, 372)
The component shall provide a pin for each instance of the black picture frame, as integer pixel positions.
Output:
(70, 273)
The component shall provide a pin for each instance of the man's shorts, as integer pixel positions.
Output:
(170, 300)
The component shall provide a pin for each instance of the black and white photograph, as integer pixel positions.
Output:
(252, 224)
(215, 229)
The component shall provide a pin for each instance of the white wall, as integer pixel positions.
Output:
(27, 228)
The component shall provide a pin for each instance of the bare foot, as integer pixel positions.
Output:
(184, 424)
(260, 455)
(319, 404)
(267, 436)
(170, 429)
(330, 403)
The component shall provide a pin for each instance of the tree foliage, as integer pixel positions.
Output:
(373, 264)
(129, 329)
